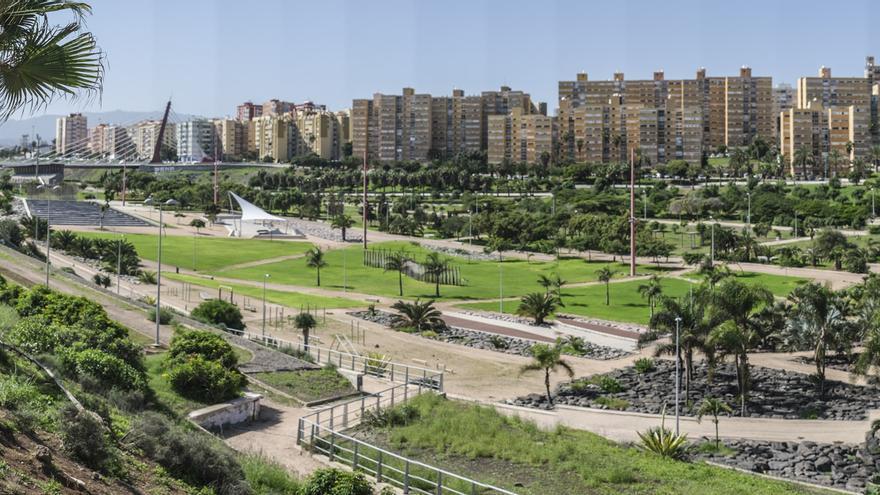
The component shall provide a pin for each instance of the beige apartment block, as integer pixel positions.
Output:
(231, 136)
(145, 133)
(520, 137)
(748, 108)
(71, 134)
(502, 102)
(320, 132)
(456, 124)
(273, 137)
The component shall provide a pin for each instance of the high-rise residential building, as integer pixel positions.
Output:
(274, 137)
(456, 123)
(277, 107)
(144, 135)
(392, 127)
(502, 102)
(783, 100)
(71, 134)
(97, 140)
(195, 140)
(842, 113)
(248, 111)
(520, 137)
(662, 119)
(230, 138)
(320, 132)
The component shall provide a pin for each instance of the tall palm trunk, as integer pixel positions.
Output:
(400, 281)
(547, 385)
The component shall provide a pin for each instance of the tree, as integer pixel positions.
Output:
(305, 322)
(551, 284)
(198, 224)
(605, 274)
(693, 332)
(315, 259)
(736, 330)
(39, 61)
(434, 267)
(819, 321)
(548, 359)
(418, 315)
(713, 407)
(218, 312)
(397, 262)
(538, 305)
(342, 222)
(652, 290)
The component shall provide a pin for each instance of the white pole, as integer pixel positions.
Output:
(265, 277)
(159, 277)
(500, 286)
(677, 372)
(713, 240)
(749, 214)
(119, 264)
(48, 230)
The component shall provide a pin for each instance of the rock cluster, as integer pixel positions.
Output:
(325, 232)
(490, 341)
(774, 393)
(461, 253)
(833, 361)
(847, 467)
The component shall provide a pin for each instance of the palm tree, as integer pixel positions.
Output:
(548, 359)
(39, 61)
(875, 156)
(733, 314)
(552, 283)
(693, 332)
(315, 259)
(652, 290)
(434, 267)
(305, 322)
(342, 222)
(198, 224)
(713, 407)
(803, 157)
(418, 315)
(538, 305)
(605, 274)
(819, 321)
(397, 262)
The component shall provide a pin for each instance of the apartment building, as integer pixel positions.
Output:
(247, 111)
(196, 140)
(664, 119)
(230, 138)
(71, 134)
(502, 102)
(275, 137)
(144, 135)
(520, 137)
(320, 132)
(456, 124)
(277, 107)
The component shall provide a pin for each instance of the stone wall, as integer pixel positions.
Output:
(241, 410)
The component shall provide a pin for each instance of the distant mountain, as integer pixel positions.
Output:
(44, 125)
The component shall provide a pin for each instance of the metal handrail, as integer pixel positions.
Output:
(393, 371)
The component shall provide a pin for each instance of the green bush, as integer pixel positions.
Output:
(84, 438)
(205, 381)
(606, 383)
(165, 315)
(209, 345)
(644, 365)
(337, 482)
(218, 312)
(187, 454)
(102, 280)
(107, 368)
(34, 335)
(265, 477)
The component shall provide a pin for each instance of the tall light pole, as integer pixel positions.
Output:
(119, 263)
(645, 200)
(48, 229)
(632, 213)
(873, 209)
(265, 278)
(713, 238)
(149, 202)
(795, 224)
(749, 212)
(677, 372)
(500, 285)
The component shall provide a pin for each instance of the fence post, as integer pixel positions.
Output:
(406, 477)
(439, 483)
(392, 372)
(379, 468)
(332, 444)
(299, 431)
(473, 488)
(354, 460)
(312, 440)
(406, 375)
(345, 415)
(363, 400)
(392, 396)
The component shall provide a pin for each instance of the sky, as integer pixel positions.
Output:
(210, 55)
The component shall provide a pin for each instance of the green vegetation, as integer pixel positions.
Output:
(779, 285)
(211, 253)
(308, 385)
(202, 366)
(289, 299)
(472, 438)
(218, 312)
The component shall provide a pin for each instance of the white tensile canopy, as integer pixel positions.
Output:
(253, 213)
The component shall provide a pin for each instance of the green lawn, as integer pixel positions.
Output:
(779, 285)
(508, 452)
(482, 277)
(289, 299)
(627, 305)
(212, 253)
(308, 385)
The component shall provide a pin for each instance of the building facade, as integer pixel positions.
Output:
(196, 140)
(71, 134)
(520, 137)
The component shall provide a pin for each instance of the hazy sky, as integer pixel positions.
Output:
(210, 55)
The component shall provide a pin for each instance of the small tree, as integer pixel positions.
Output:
(434, 267)
(713, 407)
(538, 305)
(548, 359)
(218, 312)
(315, 259)
(397, 262)
(418, 315)
(605, 274)
(305, 322)
(342, 222)
(198, 224)
(652, 290)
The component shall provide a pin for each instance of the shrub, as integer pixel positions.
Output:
(208, 345)
(218, 312)
(107, 368)
(498, 342)
(187, 454)
(84, 439)
(147, 277)
(205, 381)
(390, 417)
(102, 280)
(664, 442)
(297, 353)
(612, 403)
(337, 482)
(265, 477)
(34, 335)
(607, 384)
(644, 365)
(166, 316)
(10, 233)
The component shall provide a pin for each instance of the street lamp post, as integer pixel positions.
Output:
(48, 228)
(677, 372)
(500, 285)
(645, 196)
(713, 239)
(265, 278)
(749, 214)
(119, 263)
(873, 210)
(150, 202)
(795, 224)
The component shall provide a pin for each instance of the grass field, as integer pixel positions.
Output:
(289, 299)
(779, 285)
(211, 253)
(308, 385)
(482, 277)
(479, 442)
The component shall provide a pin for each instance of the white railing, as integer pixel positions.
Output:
(371, 366)
(319, 432)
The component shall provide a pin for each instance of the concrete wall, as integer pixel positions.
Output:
(240, 410)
